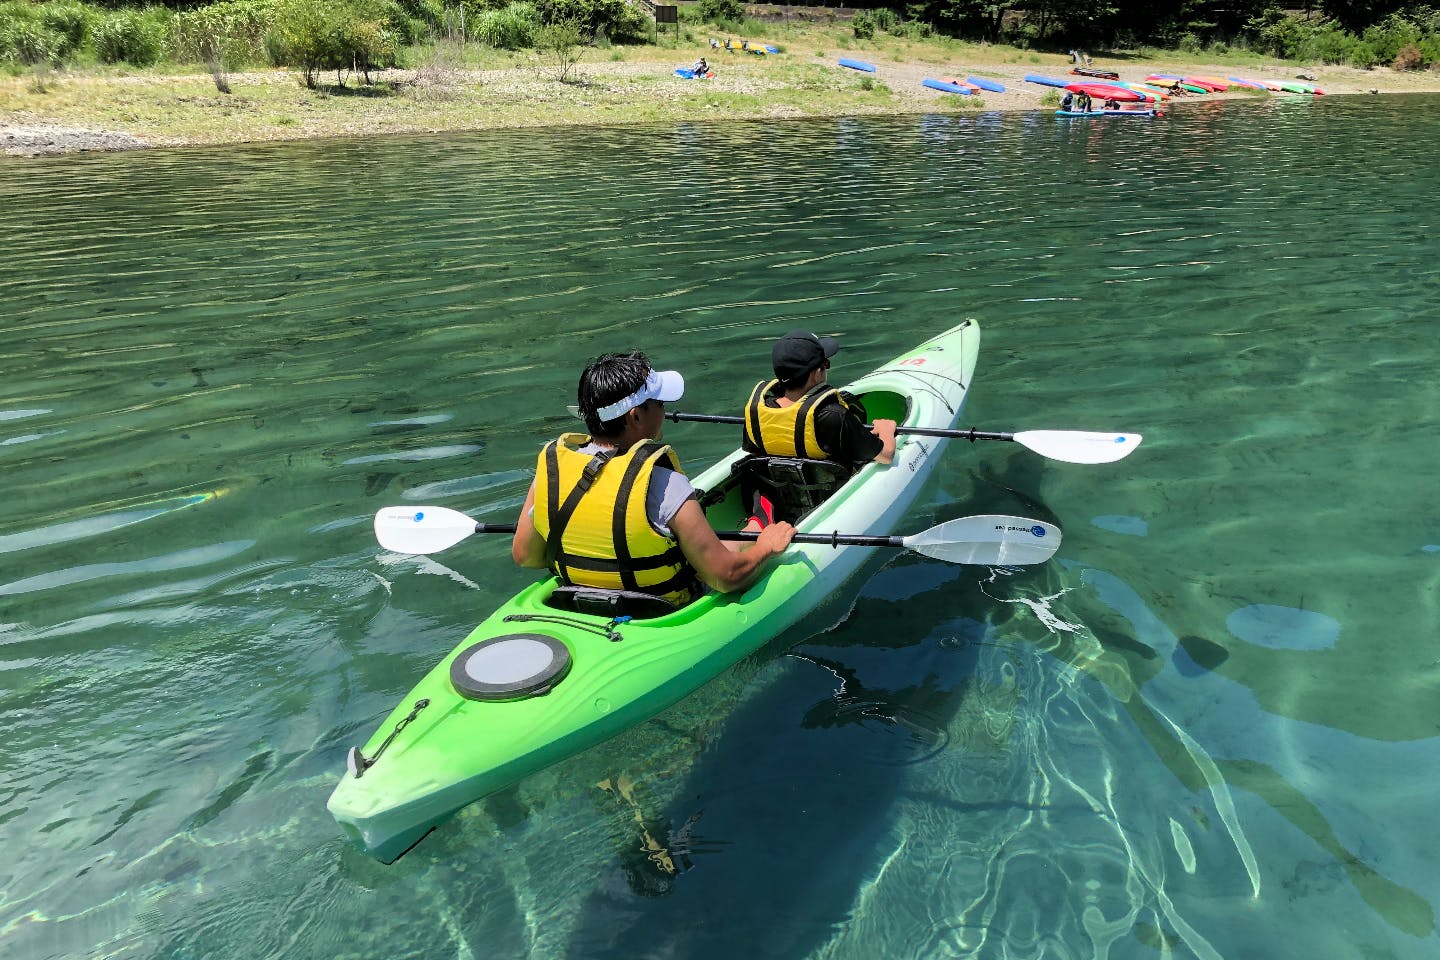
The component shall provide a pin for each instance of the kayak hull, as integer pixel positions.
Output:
(947, 86)
(454, 751)
(1105, 113)
(993, 86)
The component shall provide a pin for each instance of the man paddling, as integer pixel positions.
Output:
(613, 510)
(799, 415)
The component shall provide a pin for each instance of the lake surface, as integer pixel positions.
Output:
(1207, 729)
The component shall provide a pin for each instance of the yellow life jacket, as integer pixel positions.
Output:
(597, 504)
(776, 431)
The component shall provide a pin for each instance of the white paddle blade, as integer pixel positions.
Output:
(988, 541)
(1074, 446)
(421, 529)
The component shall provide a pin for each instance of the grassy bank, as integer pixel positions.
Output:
(469, 87)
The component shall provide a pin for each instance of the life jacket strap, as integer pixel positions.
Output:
(560, 519)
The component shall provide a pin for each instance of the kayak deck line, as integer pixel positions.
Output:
(457, 750)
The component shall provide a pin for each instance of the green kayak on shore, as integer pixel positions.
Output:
(589, 676)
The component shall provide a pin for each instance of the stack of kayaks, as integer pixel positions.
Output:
(441, 750)
(1109, 91)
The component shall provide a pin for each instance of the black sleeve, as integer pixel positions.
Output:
(845, 436)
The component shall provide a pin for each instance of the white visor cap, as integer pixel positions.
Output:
(665, 385)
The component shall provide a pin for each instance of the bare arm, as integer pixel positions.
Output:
(885, 430)
(527, 547)
(721, 568)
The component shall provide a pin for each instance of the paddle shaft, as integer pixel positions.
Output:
(828, 539)
(971, 434)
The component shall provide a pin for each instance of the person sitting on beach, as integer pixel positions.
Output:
(613, 511)
(701, 68)
(714, 44)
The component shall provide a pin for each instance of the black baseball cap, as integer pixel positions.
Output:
(799, 352)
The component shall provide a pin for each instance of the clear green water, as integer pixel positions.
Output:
(1209, 729)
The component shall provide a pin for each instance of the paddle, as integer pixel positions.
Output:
(986, 540)
(1070, 446)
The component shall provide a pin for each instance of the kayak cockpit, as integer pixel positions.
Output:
(795, 486)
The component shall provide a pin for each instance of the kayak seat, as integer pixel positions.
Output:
(795, 486)
(599, 602)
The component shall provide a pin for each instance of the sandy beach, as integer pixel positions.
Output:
(60, 112)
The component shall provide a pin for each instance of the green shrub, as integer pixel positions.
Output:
(26, 41)
(306, 34)
(136, 37)
(1329, 44)
(1387, 37)
(863, 26)
(70, 21)
(1363, 56)
(630, 26)
(512, 28)
(230, 32)
(337, 35)
(721, 11)
(886, 19)
(1278, 34)
(615, 19)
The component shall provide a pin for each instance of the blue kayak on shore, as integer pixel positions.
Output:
(857, 65)
(984, 84)
(1047, 81)
(946, 87)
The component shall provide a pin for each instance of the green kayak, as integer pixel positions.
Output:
(440, 750)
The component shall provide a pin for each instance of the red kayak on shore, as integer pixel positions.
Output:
(1107, 91)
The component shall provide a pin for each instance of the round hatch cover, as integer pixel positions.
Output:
(512, 667)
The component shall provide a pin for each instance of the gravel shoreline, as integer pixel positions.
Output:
(44, 141)
(82, 113)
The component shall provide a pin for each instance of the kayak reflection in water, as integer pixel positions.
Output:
(583, 517)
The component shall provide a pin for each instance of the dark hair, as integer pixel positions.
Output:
(605, 380)
(796, 382)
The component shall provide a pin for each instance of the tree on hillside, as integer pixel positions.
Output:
(1356, 15)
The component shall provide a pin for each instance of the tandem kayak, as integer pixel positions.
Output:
(440, 750)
